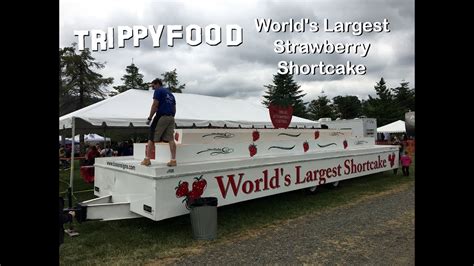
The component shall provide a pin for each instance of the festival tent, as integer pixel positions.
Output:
(68, 142)
(129, 110)
(67, 139)
(395, 127)
(92, 138)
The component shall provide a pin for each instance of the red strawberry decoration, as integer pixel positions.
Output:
(280, 115)
(192, 196)
(344, 143)
(199, 185)
(182, 189)
(305, 146)
(316, 134)
(252, 149)
(255, 135)
(176, 136)
(391, 158)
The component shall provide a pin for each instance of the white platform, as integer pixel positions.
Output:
(202, 145)
(150, 191)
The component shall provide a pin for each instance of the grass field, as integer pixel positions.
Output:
(140, 241)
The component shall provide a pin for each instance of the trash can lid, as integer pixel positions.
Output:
(207, 201)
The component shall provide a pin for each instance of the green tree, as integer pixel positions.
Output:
(132, 80)
(347, 107)
(383, 108)
(404, 99)
(171, 80)
(79, 84)
(64, 89)
(285, 91)
(320, 108)
(384, 93)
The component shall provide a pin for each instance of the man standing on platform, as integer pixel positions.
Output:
(162, 127)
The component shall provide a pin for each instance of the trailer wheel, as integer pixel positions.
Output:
(334, 184)
(312, 190)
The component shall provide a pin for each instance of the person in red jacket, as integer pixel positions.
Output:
(91, 155)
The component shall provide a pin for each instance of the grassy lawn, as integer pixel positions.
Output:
(139, 241)
(82, 190)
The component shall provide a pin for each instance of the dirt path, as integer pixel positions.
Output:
(375, 230)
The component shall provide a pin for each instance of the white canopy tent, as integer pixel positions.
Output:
(92, 138)
(131, 108)
(395, 127)
(68, 140)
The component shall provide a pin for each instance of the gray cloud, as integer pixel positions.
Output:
(241, 72)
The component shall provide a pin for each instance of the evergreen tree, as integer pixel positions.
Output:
(285, 91)
(171, 80)
(404, 98)
(383, 108)
(132, 80)
(79, 84)
(320, 108)
(383, 92)
(347, 107)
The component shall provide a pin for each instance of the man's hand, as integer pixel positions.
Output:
(72, 213)
(148, 121)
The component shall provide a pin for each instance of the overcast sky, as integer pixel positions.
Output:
(242, 71)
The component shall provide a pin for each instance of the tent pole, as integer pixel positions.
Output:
(71, 176)
(105, 139)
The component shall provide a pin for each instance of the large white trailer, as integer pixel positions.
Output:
(232, 165)
(361, 127)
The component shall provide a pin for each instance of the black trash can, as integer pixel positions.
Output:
(204, 218)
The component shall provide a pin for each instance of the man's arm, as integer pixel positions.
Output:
(154, 108)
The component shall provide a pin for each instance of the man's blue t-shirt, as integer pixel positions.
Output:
(166, 101)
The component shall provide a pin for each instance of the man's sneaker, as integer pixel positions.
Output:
(146, 162)
(171, 163)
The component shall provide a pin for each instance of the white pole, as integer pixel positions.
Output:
(71, 177)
